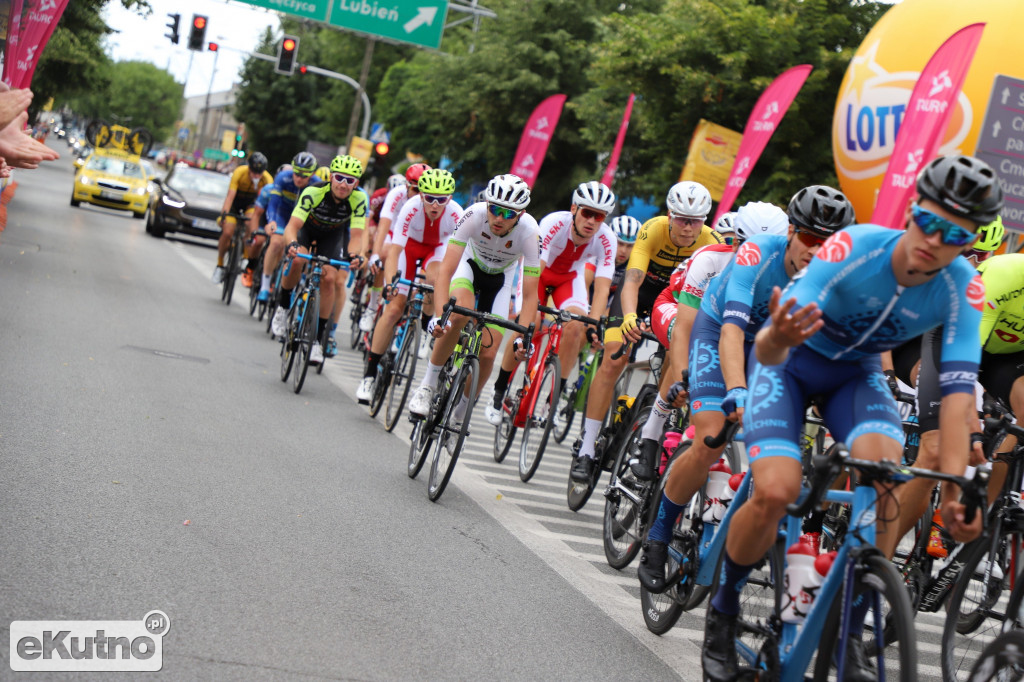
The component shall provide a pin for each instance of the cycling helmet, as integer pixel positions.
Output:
(990, 236)
(396, 180)
(413, 172)
(508, 190)
(480, 196)
(820, 210)
(625, 228)
(594, 195)
(436, 181)
(377, 199)
(725, 224)
(963, 185)
(689, 199)
(257, 162)
(759, 217)
(304, 163)
(282, 167)
(349, 165)
(324, 173)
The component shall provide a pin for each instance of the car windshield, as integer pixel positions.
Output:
(114, 166)
(185, 179)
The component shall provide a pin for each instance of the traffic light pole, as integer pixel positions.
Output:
(206, 109)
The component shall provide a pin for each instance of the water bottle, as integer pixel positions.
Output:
(802, 580)
(735, 481)
(718, 480)
(668, 448)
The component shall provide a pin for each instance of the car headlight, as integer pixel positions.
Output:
(84, 179)
(171, 202)
(141, 191)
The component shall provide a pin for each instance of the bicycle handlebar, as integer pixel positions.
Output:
(729, 430)
(487, 318)
(324, 260)
(565, 316)
(398, 279)
(646, 336)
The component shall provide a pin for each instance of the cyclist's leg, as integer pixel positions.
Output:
(275, 251)
(251, 246)
(227, 231)
(599, 396)
(572, 296)
(508, 358)
(495, 297)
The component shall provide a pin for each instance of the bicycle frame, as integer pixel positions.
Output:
(534, 366)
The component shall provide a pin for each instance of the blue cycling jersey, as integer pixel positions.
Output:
(263, 200)
(283, 195)
(741, 293)
(866, 311)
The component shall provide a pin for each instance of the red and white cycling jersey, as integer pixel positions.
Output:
(412, 224)
(690, 280)
(393, 204)
(562, 256)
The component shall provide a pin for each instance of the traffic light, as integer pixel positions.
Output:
(197, 34)
(286, 55)
(382, 148)
(213, 47)
(173, 25)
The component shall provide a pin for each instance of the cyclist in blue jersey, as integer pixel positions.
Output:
(288, 185)
(868, 290)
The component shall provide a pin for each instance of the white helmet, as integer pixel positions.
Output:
(625, 228)
(395, 180)
(594, 195)
(689, 199)
(508, 190)
(759, 217)
(725, 224)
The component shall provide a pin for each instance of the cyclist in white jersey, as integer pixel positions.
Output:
(478, 268)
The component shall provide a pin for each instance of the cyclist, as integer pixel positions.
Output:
(663, 243)
(333, 216)
(478, 268)
(284, 192)
(424, 226)
(625, 230)
(569, 240)
(393, 203)
(246, 183)
(868, 289)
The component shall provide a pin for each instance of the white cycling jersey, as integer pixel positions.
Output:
(698, 270)
(393, 203)
(563, 256)
(412, 224)
(494, 254)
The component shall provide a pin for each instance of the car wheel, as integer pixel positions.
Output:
(152, 225)
(74, 203)
(139, 216)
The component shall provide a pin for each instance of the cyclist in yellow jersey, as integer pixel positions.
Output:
(664, 242)
(246, 183)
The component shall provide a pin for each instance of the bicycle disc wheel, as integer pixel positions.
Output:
(288, 343)
(540, 420)
(505, 433)
(623, 527)
(306, 338)
(975, 610)
(1002, 660)
(419, 448)
(443, 464)
(402, 375)
(878, 577)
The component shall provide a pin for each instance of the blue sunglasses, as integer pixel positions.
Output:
(502, 212)
(952, 234)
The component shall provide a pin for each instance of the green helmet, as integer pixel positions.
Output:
(990, 236)
(349, 165)
(436, 181)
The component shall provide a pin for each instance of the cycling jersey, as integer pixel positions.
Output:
(245, 190)
(655, 254)
(687, 285)
(1002, 318)
(263, 200)
(562, 256)
(496, 254)
(329, 221)
(741, 293)
(283, 195)
(412, 224)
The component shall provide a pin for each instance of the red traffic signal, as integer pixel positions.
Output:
(302, 68)
(382, 148)
(286, 55)
(199, 22)
(288, 44)
(213, 47)
(197, 34)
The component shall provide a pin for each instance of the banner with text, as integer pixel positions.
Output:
(613, 162)
(36, 24)
(11, 46)
(764, 119)
(533, 145)
(928, 114)
(712, 154)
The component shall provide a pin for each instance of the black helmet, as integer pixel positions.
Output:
(820, 210)
(257, 162)
(963, 185)
(304, 162)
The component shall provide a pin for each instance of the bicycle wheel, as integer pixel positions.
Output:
(380, 386)
(624, 504)
(567, 405)
(402, 374)
(975, 610)
(288, 342)
(762, 598)
(877, 577)
(254, 288)
(234, 265)
(1002, 660)
(323, 346)
(505, 433)
(419, 448)
(356, 314)
(443, 463)
(540, 420)
(306, 338)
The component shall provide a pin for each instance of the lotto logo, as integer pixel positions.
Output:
(755, 451)
(976, 293)
(836, 248)
(749, 254)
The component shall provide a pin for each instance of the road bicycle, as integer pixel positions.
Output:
(360, 281)
(256, 306)
(573, 398)
(459, 376)
(1002, 660)
(531, 400)
(235, 256)
(303, 318)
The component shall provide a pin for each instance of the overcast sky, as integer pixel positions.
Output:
(231, 24)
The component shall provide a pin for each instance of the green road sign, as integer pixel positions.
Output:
(215, 154)
(419, 22)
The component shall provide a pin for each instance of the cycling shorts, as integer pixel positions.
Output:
(330, 243)
(663, 319)
(493, 290)
(707, 384)
(568, 290)
(854, 399)
(644, 305)
(413, 253)
(279, 229)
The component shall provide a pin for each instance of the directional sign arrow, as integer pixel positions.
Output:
(424, 16)
(995, 129)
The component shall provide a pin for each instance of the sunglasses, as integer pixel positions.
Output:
(344, 179)
(809, 240)
(728, 239)
(297, 174)
(686, 220)
(502, 212)
(952, 234)
(440, 200)
(590, 214)
(978, 255)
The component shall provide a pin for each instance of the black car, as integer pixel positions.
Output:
(187, 200)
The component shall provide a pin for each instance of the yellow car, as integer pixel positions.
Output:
(113, 179)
